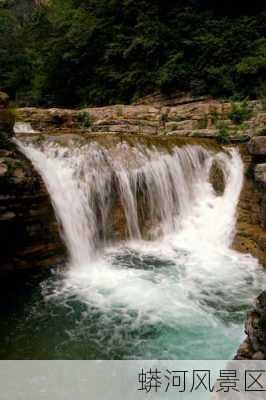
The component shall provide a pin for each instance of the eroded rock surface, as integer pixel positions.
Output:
(257, 146)
(28, 229)
(202, 117)
(260, 174)
(250, 230)
(29, 235)
(254, 346)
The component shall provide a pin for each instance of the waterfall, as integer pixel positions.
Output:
(149, 248)
(166, 187)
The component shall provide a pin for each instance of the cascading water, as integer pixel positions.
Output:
(23, 127)
(180, 294)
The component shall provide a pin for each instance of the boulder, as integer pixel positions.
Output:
(254, 346)
(4, 100)
(217, 178)
(257, 146)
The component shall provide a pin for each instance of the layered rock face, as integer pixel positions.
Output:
(254, 346)
(250, 230)
(241, 126)
(28, 229)
(185, 116)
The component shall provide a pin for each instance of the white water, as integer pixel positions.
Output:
(186, 283)
(23, 127)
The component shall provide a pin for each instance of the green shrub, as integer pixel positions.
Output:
(76, 52)
(223, 133)
(84, 119)
(240, 112)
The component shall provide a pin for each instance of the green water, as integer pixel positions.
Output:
(48, 316)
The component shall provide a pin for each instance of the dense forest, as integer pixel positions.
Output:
(83, 52)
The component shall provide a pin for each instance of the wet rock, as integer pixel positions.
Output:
(245, 349)
(251, 239)
(261, 304)
(260, 174)
(257, 146)
(254, 346)
(251, 216)
(217, 178)
(29, 235)
(240, 138)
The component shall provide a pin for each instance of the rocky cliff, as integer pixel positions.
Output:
(250, 230)
(238, 124)
(28, 229)
(185, 116)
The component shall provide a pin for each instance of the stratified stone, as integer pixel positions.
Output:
(260, 174)
(29, 234)
(257, 146)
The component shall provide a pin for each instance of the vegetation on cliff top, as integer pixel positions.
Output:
(77, 52)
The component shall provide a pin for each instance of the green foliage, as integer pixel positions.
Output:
(84, 119)
(223, 133)
(240, 112)
(75, 52)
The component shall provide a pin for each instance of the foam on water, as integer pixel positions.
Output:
(182, 294)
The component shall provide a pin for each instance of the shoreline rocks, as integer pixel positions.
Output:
(254, 346)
